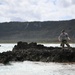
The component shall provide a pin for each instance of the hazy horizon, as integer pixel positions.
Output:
(38, 21)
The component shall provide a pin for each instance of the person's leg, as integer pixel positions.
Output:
(62, 44)
(67, 44)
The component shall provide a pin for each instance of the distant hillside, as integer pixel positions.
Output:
(47, 31)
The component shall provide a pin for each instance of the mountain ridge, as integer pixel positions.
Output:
(46, 31)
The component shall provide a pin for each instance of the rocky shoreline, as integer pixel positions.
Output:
(37, 52)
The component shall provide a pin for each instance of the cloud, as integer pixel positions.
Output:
(64, 3)
(36, 10)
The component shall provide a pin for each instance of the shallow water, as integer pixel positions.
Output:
(6, 47)
(35, 68)
(56, 45)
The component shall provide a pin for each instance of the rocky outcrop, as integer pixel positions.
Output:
(37, 52)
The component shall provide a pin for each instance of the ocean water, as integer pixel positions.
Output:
(6, 47)
(35, 68)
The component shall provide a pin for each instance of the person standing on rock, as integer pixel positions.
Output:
(63, 37)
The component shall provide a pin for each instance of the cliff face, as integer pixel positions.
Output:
(35, 31)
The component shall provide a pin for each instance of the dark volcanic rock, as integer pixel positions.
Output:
(37, 52)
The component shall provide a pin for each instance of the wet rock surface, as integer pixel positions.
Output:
(37, 52)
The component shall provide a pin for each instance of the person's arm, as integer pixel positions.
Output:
(68, 37)
(59, 38)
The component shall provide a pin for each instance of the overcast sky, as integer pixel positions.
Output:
(36, 10)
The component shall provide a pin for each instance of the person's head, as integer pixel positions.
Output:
(63, 31)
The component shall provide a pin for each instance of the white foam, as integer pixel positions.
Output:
(37, 68)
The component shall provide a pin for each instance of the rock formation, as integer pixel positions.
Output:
(37, 52)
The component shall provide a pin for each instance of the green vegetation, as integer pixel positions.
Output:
(47, 31)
